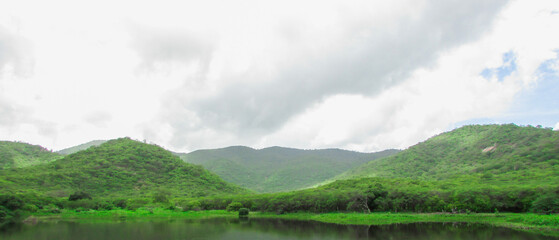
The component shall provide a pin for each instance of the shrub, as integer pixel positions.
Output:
(192, 205)
(84, 204)
(134, 204)
(234, 206)
(546, 204)
(243, 212)
(79, 195)
(11, 202)
(121, 203)
(161, 196)
(30, 208)
(51, 208)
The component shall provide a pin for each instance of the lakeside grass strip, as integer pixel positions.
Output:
(542, 224)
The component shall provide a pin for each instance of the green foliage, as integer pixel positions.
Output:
(546, 204)
(191, 205)
(79, 195)
(133, 204)
(120, 203)
(234, 206)
(17, 155)
(487, 154)
(279, 169)
(388, 195)
(243, 212)
(80, 147)
(115, 169)
(161, 196)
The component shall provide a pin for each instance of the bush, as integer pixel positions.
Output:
(79, 195)
(546, 204)
(243, 212)
(134, 204)
(161, 196)
(4, 214)
(51, 208)
(192, 205)
(11, 202)
(120, 203)
(30, 208)
(84, 204)
(234, 206)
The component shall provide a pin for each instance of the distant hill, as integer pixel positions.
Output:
(492, 153)
(80, 147)
(121, 167)
(17, 154)
(277, 169)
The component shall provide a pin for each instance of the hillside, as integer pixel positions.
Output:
(276, 168)
(493, 153)
(17, 154)
(121, 167)
(80, 147)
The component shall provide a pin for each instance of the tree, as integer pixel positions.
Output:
(546, 204)
(234, 206)
(161, 196)
(243, 212)
(79, 195)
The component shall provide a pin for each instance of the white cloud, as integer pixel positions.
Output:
(364, 75)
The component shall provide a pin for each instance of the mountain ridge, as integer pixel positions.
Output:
(121, 167)
(275, 168)
(20, 154)
(488, 151)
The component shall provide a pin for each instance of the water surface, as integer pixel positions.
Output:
(227, 228)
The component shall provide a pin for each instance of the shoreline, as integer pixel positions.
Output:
(547, 225)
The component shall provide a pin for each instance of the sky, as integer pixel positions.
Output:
(359, 75)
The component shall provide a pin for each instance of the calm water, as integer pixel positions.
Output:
(254, 229)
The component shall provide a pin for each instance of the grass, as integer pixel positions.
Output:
(541, 224)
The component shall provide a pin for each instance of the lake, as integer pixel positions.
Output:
(231, 228)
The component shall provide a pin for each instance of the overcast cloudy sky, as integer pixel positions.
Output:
(360, 75)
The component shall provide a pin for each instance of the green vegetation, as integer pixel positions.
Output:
(489, 154)
(472, 174)
(394, 195)
(243, 212)
(117, 168)
(234, 206)
(17, 155)
(544, 224)
(75, 149)
(278, 169)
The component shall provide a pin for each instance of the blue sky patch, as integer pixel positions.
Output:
(536, 105)
(509, 66)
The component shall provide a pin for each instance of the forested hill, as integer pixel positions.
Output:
(505, 153)
(121, 167)
(279, 169)
(17, 154)
(80, 147)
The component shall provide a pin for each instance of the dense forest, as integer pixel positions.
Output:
(278, 169)
(491, 168)
(121, 167)
(17, 154)
(508, 154)
(80, 147)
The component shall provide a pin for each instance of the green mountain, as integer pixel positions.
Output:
(121, 167)
(489, 153)
(17, 154)
(80, 147)
(276, 168)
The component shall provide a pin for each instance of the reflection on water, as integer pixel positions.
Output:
(229, 228)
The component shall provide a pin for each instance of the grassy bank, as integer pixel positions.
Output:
(542, 224)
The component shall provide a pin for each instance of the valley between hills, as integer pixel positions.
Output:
(504, 174)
